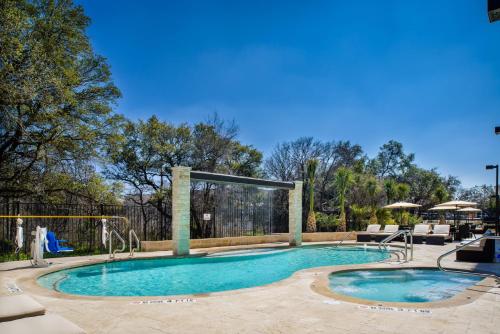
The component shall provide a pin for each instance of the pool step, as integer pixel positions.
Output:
(21, 314)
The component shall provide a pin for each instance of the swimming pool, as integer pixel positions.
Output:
(401, 285)
(163, 276)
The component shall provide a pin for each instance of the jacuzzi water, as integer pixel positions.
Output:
(162, 277)
(401, 285)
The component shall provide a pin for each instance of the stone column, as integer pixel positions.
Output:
(295, 214)
(181, 186)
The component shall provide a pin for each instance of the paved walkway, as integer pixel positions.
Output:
(288, 306)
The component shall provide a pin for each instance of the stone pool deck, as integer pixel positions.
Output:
(289, 306)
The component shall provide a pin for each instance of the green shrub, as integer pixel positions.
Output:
(390, 221)
(383, 216)
(413, 220)
(326, 221)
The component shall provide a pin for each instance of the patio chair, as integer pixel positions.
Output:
(53, 245)
(388, 230)
(366, 236)
(420, 232)
(483, 253)
(440, 234)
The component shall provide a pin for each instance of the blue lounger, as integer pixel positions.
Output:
(54, 246)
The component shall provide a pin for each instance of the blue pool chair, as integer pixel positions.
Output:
(53, 244)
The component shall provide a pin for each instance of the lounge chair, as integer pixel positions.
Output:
(388, 230)
(420, 232)
(440, 234)
(19, 306)
(53, 245)
(44, 324)
(367, 235)
(484, 252)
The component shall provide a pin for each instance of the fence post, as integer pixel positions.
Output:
(181, 185)
(295, 214)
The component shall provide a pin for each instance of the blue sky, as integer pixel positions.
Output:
(426, 73)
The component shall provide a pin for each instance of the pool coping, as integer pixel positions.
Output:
(322, 286)
(319, 285)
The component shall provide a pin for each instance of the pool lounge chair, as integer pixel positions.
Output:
(420, 233)
(53, 244)
(388, 230)
(440, 234)
(484, 252)
(367, 235)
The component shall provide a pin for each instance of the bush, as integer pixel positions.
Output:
(390, 221)
(326, 221)
(383, 216)
(413, 220)
(360, 216)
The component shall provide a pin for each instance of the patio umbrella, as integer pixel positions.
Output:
(458, 204)
(468, 210)
(401, 205)
(443, 208)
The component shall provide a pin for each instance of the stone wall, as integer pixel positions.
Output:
(152, 246)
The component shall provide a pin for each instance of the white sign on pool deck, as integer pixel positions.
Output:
(395, 309)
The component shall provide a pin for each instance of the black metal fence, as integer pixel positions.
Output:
(84, 234)
(216, 211)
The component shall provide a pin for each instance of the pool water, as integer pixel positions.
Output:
(401, 285)
(162, 277)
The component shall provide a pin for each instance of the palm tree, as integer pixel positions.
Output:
(343, 180)
(390, 190)
(311, 167)
(373, 190)
(402, 193)
(441, 195)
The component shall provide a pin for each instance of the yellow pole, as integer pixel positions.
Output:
(86, 217)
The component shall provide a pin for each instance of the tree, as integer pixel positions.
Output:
(373, 190)
(390, 187)
(391, 160)
(56, 96)
(343, 180)
(441, 195)
(402, 191)
(311, 167)
(145, 151)
(289, 158)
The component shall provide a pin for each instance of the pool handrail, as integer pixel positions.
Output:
(440, 258)
(112, 253)
(396, 234)
(132, 235)
(344, 238)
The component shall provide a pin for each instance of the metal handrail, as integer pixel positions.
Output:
(462, 247)
(132, 234)
(112, 253)
(344, 238)
(405, 234)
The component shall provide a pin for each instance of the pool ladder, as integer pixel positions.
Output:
(404, 252)
(132, 236)
(440, 258)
